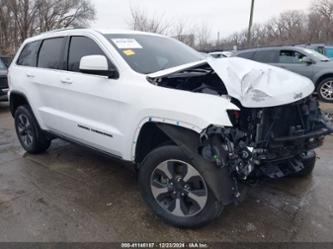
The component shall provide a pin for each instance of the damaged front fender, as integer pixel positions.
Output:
(218, 178)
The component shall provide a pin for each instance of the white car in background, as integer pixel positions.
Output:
(199, 130)
(222, 54)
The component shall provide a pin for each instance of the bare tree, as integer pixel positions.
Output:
(290, 27)
(203, 34)
(322, 10)
(184, 33)
(142, 22)
(55, 14)
(20, 19)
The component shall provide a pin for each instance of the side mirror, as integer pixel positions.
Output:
(98, 65)
(307, 60)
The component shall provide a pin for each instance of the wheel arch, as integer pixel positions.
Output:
(155, 134)
(17, 99)
(321, 78)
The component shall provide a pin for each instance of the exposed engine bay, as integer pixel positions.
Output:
(200, 80)
(271, 141)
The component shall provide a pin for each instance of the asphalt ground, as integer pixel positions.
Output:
(72, 194)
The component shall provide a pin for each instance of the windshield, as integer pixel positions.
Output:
(2, 65)
(316, 55)
(148, 53)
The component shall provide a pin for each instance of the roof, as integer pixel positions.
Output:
(70, 31)
(270, 48)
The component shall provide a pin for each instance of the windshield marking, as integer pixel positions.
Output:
(126, 43)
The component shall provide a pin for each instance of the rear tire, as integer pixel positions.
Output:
(325, 90)
(167, 177)
(31, 137)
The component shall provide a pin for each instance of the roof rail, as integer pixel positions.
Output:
(62, 29)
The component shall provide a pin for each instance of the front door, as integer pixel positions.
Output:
(293, 61)
(90, 105)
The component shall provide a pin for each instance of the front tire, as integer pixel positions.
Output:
(325, 90)
(31, 137)
(176, 190)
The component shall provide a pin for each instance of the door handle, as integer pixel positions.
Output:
(67, 82)
(30, 75)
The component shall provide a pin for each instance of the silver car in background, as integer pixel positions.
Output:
(304, 61)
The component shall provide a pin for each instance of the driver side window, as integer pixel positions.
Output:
(79, 47)
(291, 57)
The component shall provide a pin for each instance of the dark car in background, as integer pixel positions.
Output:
(304, 61)
(6, 60)
(3, 80)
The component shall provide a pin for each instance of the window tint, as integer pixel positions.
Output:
(265, 56)
(81, 46)
(291, 57)
(50, 53)
(246, 55)
(28, 56)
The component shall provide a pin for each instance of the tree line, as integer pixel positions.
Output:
(290, 27)
(20, 19)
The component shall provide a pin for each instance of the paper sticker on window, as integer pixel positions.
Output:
(129, 52)
(124, 43)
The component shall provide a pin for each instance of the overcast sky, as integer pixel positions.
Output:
(225, 16)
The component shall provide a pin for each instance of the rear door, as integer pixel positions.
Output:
(269, 56)
(23, 73)
(47, 78)
(293, 60)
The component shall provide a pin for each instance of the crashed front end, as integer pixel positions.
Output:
(267, 141)
(275, 130)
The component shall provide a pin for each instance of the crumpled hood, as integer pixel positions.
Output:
(254, 84)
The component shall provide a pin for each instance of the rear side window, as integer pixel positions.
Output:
(50, 53)
(291, 57)
(266, 56)
(28, 56)
(246, 55)
(81, 46)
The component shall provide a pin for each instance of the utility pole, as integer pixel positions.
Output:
(250, 23)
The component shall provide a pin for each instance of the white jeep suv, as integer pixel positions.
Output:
(199, 130)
